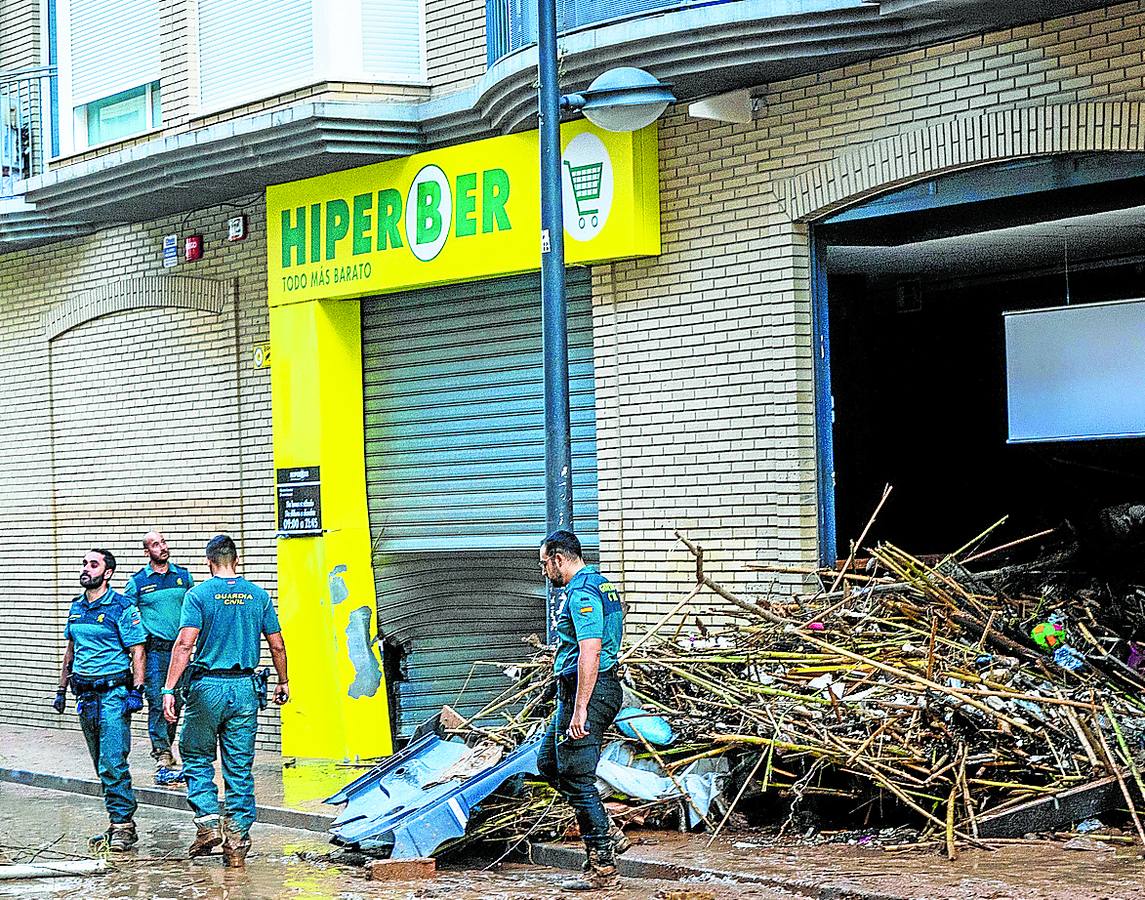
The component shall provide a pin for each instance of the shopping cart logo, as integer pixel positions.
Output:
(588, 186)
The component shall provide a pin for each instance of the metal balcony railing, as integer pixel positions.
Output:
(26, 101)
(512, 24)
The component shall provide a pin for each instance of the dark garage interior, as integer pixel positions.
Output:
(918, 366)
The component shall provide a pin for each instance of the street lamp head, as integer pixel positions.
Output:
(622, 99)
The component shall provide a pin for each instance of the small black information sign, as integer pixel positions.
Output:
(299, 502)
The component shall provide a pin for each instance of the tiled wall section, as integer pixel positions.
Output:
(704, 366)
(141, 418)
(454, 43)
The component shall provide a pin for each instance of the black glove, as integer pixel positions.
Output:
(134, 702)
(60, 702)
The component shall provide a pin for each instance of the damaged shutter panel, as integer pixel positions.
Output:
(454, 382)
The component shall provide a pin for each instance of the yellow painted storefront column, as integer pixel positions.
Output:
(338, 709)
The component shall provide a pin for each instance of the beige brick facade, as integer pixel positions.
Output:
(179, 60)
(454, 43)
(131, 403)
(704, 365)
(19, 35)
(704, 370)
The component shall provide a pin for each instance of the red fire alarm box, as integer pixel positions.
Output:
(193, 247)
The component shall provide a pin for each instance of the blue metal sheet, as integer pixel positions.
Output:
(391, 807)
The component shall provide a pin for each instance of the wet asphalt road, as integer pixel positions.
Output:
(32, 819)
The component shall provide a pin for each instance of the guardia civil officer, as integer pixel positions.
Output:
(590, 626)
(104, 663)
(223, 620)
(158, 589)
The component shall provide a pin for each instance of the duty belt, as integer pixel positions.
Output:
(158, 645)
(221, 673)
(566, 684)
(101, 684)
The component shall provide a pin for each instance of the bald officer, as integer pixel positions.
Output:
(158, 589)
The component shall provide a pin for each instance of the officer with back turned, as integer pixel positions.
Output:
(223, 620)
(104, 664)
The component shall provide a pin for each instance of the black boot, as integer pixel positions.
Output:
(601, 874)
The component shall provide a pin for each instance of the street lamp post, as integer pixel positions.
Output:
(622, 99)
(554, 305)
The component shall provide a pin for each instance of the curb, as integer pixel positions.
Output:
(558, 856)
(149, 796)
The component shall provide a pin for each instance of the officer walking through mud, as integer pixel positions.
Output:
(223, 620)
(104, 665)
(158, 589)
(590, 626)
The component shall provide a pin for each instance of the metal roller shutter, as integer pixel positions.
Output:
(252, 49)
(114, 47)
(391, 40)
(455, 474)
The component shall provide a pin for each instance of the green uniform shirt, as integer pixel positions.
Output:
(590, 609)
(101, 632)
(160, 598)
(232, 615)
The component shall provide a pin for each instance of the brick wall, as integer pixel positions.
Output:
(179, 60)
(19, 34)
(454, 43)
(148, 416)
(703, 356)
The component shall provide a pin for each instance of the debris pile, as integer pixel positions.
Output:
(919, 687)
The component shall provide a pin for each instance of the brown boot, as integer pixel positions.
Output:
(121, 837)
(208, 835)
(235, 847)
(601, 874)
(621, 843)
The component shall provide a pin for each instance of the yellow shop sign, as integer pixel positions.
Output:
(459, 214)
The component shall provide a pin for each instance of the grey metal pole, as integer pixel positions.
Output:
(554, 307)
(554, 310)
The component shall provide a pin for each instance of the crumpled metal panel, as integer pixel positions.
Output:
(389, 807)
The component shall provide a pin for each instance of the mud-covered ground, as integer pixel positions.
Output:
(31, 819)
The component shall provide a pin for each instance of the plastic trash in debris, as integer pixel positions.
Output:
(1069, 658)
(695, 642)
(1089, 825)
(702, 781)
(827, 684)
(1050, 633)
(1136, 656)
(635, 723)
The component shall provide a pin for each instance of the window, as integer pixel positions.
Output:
(120, 115)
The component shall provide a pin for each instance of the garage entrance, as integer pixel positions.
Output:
(911, 292)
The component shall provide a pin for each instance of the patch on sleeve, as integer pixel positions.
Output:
(585, 610)
(135, 619)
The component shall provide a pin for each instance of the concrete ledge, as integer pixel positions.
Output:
(149, 796)
(568, 857)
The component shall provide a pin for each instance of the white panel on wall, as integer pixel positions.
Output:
(114, 46)
(250, 49)
(1076, 372)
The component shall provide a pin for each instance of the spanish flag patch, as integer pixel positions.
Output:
(585, 610)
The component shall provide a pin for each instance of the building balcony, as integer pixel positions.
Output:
(511, 25)
(26, 100)
(710, 47)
